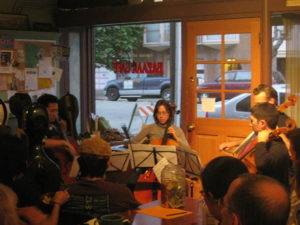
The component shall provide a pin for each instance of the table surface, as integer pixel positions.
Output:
(196, 206)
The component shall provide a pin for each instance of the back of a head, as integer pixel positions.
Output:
(294, 137)
(266, 111)
(8, 202)
(259, 200)
(269, 90)
(47, 99)
(219, 173)
(94, 155)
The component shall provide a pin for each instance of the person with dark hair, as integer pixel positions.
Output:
(216, 178)
(56, 143)
(262, 93)
(26, 189)
(56, 128)
(255, 199)
(163, 116)
(294, 137)
(270, 153)
(94, 156)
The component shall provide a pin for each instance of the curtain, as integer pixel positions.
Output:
(292, 67)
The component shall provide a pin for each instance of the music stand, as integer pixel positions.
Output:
(119, 161)
(145, 156)
(190, 161)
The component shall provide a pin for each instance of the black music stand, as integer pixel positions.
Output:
(147, 156)
(119, 161)
(190, 161)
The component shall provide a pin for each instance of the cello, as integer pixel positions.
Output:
(167, 139)
(148, 178)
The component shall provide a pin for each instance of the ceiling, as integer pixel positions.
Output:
(19, 6)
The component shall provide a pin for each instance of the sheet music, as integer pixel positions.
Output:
(119, 161)
(159, 167)
(143, 155)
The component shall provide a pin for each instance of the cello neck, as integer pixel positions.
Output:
(165, 137)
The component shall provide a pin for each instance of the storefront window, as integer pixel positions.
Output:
(132, 72)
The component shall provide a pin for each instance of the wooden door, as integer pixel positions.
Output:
(222, 66)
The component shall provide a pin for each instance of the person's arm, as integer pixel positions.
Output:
(141, 135)
(179, 136)
(263, 155)
(59, 199)
(59, 143)
(229, 144)
(34, 216)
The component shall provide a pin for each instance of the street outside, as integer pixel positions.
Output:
(119, 113)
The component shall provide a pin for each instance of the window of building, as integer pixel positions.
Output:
(133, 71)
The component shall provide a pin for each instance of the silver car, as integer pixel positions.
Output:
(238, 107)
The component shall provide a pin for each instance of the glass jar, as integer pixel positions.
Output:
(173, 186)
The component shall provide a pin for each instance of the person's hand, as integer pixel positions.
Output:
(63, 125)
(20, 132)
(60, 197)
(228, 145)
(172, 132)
(263, 136)
(70, 148)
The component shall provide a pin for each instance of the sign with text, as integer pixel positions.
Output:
(138, 67)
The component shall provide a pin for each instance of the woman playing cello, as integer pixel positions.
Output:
(163, 128)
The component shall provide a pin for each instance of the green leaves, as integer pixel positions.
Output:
(117, 42)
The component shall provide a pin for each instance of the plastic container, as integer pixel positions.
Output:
(173, 186)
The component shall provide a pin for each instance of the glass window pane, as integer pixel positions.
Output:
(237, 106)
(132, 74)
(237, 46)
(237, 76)
(279, 49)
(201, 113)
(153, 33)
(209, 47)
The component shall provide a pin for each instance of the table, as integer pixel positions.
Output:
(194, 205)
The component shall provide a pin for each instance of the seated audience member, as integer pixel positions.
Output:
(255, 199)
(216, 178)
(93, 162)
(8, 206)
(11, 215)
(294, 137)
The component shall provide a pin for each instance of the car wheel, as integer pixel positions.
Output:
(113, 94)
(132, 99)
(165, 94)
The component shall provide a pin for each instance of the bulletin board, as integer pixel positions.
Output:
(28, 66)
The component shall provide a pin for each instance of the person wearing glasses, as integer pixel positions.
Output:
(163, 126)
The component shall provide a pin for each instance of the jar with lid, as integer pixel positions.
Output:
(173, 186)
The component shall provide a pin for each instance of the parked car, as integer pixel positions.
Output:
(239, 106)
(133, 86)
(234, 80)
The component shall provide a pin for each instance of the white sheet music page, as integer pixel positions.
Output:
(159, 167)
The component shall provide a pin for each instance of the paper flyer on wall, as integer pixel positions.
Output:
(31, 76)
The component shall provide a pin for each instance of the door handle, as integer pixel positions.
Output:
(192, 79)
(191, 127)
